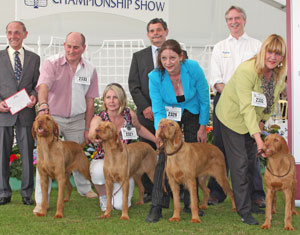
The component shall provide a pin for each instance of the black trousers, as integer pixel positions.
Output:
(190, 124)
(241, 154)
(215, 189)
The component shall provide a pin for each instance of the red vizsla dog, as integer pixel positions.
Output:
(56, 159)
(280, 175)
(187, 162)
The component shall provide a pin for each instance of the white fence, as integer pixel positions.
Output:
(112, 58)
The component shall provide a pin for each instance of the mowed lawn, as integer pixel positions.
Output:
(81, 217)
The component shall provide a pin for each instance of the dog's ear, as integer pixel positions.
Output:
(284, 146)
(178, 135)
(119, 142)
(56, 130)
(33, 131)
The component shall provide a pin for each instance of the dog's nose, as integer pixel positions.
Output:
(40, 121)
(97, 130)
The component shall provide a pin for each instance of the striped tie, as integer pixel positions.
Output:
(18, 66)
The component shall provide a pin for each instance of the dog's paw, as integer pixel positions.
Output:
(58, 216)
(104, 216)
(196, 220)
(124, 217)
(203, 207)
(66, 199)
(289, 227)
(234, 209)
(139, 203)
(174, 219)
(266, 226)
(39, 214)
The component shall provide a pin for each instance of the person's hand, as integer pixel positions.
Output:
(261, 126)
(3, 107)
(201, 134)
(148, 114)
(32, 102)
(260, 144)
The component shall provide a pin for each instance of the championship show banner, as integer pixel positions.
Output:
(143, 10)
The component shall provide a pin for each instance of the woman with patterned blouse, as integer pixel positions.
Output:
(116, 111)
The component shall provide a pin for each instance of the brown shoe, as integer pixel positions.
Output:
(261, 203)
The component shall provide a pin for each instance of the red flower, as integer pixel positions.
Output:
(208, 129)
(13, 157)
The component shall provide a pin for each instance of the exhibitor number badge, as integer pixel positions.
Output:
(129, 133)
(259, 99)
(173, 113)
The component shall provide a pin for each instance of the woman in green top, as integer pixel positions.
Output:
(247, 100)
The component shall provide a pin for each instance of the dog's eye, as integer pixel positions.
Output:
(276, 140)
(47, 118)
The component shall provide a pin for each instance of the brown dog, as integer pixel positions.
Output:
(56, 159)
(123, 161)
(280, 175)
(187, 162)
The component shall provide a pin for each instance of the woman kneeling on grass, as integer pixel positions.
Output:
(116, 111)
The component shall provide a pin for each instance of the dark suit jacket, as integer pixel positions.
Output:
(9, 86)
(141, 65)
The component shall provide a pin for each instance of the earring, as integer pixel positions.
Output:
(279, 66)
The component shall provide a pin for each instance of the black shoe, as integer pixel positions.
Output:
(27, 201)
(256, 210)
(154, 214)
(248, 219)
(147, 197)
(4, 200)
(212, 201)
(188, 211)
(261, 203)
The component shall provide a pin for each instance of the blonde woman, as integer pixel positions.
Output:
(247, 101)
(116, 111)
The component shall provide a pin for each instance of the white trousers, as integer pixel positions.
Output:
(97, 175)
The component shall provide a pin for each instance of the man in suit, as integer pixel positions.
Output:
(19, 69)
(143, 62)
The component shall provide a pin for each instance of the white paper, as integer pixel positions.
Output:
(18, 101)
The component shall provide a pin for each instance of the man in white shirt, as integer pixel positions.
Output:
(227, 55)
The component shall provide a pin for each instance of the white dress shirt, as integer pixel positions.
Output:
(228, 54)
(11, 54)
(154, 55)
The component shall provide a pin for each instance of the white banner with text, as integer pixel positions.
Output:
(143, 10)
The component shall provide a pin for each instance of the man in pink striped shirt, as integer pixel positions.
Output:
(66, 88)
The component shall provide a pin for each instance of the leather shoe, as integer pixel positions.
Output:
(248, 219)
(188, 211)
(4, 200)
(261, 203)
(27, 201)
(147, 197)
(154, 214)
(256, 210)
(212, 201)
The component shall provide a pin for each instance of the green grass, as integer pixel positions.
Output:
(81, 217)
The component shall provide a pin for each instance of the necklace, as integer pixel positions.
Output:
(176, 81)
